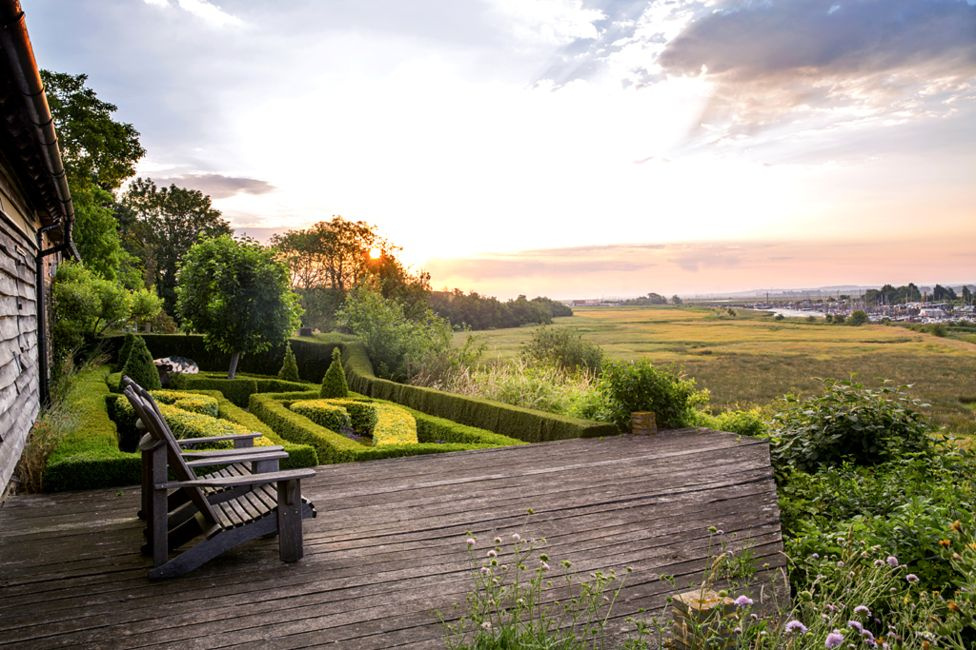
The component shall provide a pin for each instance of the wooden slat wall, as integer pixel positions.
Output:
(19, 376)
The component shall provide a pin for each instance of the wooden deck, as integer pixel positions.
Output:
(386, 553)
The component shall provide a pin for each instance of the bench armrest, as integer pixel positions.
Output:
(243, 437)
(237, 481)
(191, 454)
(242, 458)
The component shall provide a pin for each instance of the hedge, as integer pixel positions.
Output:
(314, 354)
(332, 447)
(237, 390)
(89, 457)
(389, 424)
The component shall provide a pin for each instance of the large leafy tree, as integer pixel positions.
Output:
(99, 154)
(160, 224)
(236, 294)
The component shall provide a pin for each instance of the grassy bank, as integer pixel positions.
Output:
(753, 359)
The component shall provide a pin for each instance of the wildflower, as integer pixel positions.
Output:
(486, 626)
(956, 526)
(834, 639)
(795, 626)
(743, 601)
(815, 556)
(892, 561)
(545, 565)
(470, 541)
(485, 570)
(498, 540)
(944, 543)
(879, 563)
(912, 578)
(952, 606)
(492, 553)
(840, 564)
(856, 625)
(738, 630)
(862, 609)
(516, 537)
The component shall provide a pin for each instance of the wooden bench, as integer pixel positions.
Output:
(244, 498)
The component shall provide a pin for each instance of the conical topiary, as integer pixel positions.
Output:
(289, 366)
(124, 351)
(334, 382)
(140, 367)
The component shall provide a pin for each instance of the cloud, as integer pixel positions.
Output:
(204, 10)
(552, 22)
(218, 186)
(838, 62)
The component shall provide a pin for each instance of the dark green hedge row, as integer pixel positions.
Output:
(333, 447)
(237, 390)
(314, 355)
(88, 457)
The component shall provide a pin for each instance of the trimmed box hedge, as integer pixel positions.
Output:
(314, 355)
(89, 457)
(274, 410)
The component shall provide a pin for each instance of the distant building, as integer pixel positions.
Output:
(35, 233)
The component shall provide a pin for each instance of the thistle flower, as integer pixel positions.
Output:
(912, 578)
(492, 553)
(470, 541)
(892, 561)
(795, 626)
(862, 609)
(856, 625)
(834, 639)
(743, 601)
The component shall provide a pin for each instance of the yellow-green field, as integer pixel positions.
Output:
(752, 359)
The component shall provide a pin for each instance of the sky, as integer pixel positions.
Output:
(570, 148)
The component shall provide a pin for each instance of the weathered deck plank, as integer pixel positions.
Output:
(387, 552)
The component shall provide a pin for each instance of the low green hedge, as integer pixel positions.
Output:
(88, 457)
(237, 390)
(389, 424)
(314, 355)
(332, 447)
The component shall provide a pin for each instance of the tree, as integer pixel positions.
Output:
(967, 295)
(236, 294)
(159, 225)
(858, 317)
(99, 153)
(676, 300)
(289, 365)
(85, 306)
(139, 366)
(941, 293)
(334, 383)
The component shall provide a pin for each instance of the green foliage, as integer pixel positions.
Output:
(96, 234)
(564, 348)
(125, 350)
(273, 409)
(905, 506)
(641, 386)
(394, 426)
(746, 422)
(289, 367)
(399, 347)
(847, 422)
(237, 296)
(85, 306)
(88, 455)
(237, 390)
(334, 383)
(321, 412)
(362, 415)
(858, 317)
(140, 367)
(478, 312)
(159, 225)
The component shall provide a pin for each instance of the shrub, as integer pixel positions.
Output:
(746, 422)
(858, 317)
(848, 422)
(394, 426)
(140, 367)
(543, 387)
(641, 386)
(562, 347)
(323, 413)
(362, 415)
(124, 351)
(334, 381)
(289, 367)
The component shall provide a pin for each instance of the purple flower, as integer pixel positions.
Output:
(743, 601)
(834, 639)
(815, 556)
(892, 561)
(492, 553)
(879, 563)
(795, 626)
(470, 541)
(862, 609)
(856, 625)
(912, 578)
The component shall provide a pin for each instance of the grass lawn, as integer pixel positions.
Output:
(752, 359)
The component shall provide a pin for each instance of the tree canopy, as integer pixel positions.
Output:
(160, 224)
(236, 294)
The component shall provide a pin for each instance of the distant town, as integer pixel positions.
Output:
(909, 303)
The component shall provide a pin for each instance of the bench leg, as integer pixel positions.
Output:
(290, 547)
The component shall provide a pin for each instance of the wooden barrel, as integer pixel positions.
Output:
(643, 422)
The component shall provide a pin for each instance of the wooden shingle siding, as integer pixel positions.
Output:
(19, 376)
